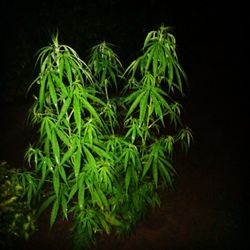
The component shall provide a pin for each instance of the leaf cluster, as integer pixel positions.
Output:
(17, 219)
(102, 154)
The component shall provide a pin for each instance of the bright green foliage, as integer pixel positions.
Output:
(102, 154)
(17, 219)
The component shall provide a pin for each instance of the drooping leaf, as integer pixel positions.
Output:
(54, 212)
(56, 181)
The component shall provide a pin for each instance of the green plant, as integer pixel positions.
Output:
(105, 148)
(17, 219)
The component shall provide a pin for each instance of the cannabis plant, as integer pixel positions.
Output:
(106, 135)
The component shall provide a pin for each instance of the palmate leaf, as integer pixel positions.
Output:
(77, 69)
(62, 135)
(114, 144)
(103, 199)
(68, 154)
(59, 85)
(91, 110)
(104, 64)
(157, 160)
(65, 107)
(131, 70)
(89, 156)
(138, 94)
(106, 175)
(185, 137)
(134, 129)
(157, 108)
(101, 152)
(164, 172)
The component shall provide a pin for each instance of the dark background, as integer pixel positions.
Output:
(211, 40)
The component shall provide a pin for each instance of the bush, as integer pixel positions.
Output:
(17, 219)
(106, 135)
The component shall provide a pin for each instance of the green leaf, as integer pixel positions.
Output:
(41, 98)
(143, 106)
(48, 128)
(73, 191)
(54, 212)
(103, 198)
(68, 70)
(81, 192)
(52, 91)
(77, 113)
(65, 107)
(128, 178)
(155, 173)
(68, 154)
(62, 135)
(90, 157)
(61, 68)
(77, 161)
(55, 147)
(64, 206)
(91, 110)
(102, 153)
(164, 172)
(61, 88)
(63, 174)
(112, 220)
(45, 205)
(105, 225)
(56, 182)
(97, 199)
(157, 108)
(135, 103)
(147, 166)
(44, 173)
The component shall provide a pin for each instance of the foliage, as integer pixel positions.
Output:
(104, 150)
(17, 219)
